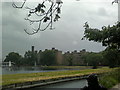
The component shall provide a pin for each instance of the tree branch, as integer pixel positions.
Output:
(45, 15)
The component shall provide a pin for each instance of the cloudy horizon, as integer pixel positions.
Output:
(68, 30)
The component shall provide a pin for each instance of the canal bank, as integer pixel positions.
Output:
(23, 81)
(43, 83)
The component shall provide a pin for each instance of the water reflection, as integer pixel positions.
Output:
(16, 70)
(63, 85)
(70, 84)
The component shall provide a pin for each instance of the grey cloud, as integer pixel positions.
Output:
(102, 12)
(66, 35)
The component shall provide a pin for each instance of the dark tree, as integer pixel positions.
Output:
(70, 60)
(48, 58)
(30, 58)
(14, 57)
(112, 57)
(109, 36)
(93, 59)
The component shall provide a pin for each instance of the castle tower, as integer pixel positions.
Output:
(32, 48)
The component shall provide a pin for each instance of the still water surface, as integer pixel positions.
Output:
(71, 84)
(24, 70)
(16, 70)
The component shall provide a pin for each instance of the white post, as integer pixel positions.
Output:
(87, 64)
(119, 10)
(35, 64)
(10, 64)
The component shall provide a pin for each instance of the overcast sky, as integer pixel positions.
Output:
(68, 30)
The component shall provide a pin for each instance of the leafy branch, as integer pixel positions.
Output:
(46, 14)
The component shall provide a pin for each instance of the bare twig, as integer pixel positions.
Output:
(15, 6)
(45, 15)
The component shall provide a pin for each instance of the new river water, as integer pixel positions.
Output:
(17, 70)
(71, 85)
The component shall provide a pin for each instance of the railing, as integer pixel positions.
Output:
(7, 64)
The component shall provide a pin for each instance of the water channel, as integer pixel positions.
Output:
(17, 70)
(24, 70)
(75, 85)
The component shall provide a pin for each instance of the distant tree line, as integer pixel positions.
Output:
(96, 59)
(48, 57)
(31, 58)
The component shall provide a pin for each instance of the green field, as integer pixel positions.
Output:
(19, 78)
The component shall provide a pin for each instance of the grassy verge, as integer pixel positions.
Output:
(64, 67)
(110, 79)
(19, 78)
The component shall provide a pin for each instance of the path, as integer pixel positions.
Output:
(116, 87)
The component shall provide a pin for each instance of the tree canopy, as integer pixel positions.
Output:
(93, 59)
(48, 57)
(14, 57)
(109, 35)
(30, 58)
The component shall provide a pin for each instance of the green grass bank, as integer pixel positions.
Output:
(110, 79)
(65, 67)
(29, 77)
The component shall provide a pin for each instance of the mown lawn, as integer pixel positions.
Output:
(19, 78)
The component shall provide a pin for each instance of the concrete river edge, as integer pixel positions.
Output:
(40, 83)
